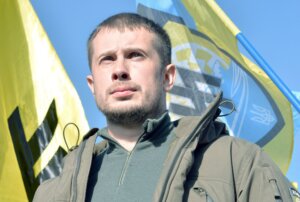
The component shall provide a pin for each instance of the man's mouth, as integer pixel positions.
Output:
(123, 92)
(121, 89)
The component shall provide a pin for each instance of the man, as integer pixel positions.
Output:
(145, 156)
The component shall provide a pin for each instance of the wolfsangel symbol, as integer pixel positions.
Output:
(193, 82)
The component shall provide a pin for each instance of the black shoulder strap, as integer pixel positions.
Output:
(90, 133)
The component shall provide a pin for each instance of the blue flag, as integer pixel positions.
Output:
(208, 61)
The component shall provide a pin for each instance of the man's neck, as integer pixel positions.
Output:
(127, 137)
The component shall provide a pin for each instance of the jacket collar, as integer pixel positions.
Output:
(191, 132)
(199, 125)
(153, 128)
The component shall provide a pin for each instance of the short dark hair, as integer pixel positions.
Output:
(133, 21)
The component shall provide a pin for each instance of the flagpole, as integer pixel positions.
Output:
(255, 55)
(269, 71)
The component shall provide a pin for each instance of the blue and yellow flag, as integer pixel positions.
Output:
(295, 166)
(205, 51)
(37, 101)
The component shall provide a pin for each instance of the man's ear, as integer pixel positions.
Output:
(90, 81)
(169, 77)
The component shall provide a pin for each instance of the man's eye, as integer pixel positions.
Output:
(134, 55)
(106, 59)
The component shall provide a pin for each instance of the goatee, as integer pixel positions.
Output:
(131, 117)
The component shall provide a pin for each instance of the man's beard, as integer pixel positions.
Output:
(134, 115)
(130, 117)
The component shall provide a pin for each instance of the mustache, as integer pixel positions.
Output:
(123, 84)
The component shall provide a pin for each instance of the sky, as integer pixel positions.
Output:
(273, 28)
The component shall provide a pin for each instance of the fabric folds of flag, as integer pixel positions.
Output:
(37, 101)
(208, 60)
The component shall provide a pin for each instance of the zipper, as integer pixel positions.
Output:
(203, 194)
(273, 183)
(126, 164)
(277, 194)
(123, 173)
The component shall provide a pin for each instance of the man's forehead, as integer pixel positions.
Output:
(108, 32)
(123, 29)
(101, 39)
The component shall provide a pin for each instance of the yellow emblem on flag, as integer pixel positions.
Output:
(204, 68)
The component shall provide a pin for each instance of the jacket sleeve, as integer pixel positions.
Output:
(70, 184)
(259, 178)
(46, 191)
(58, 188)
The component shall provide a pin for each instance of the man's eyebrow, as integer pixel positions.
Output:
(129, 49)
(105, 53)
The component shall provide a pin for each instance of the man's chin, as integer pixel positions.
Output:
(126, 116)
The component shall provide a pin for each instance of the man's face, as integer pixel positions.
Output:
(127, 79)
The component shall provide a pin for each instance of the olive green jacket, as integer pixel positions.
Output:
(203, 164)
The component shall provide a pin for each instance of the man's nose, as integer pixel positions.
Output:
(120, 71)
